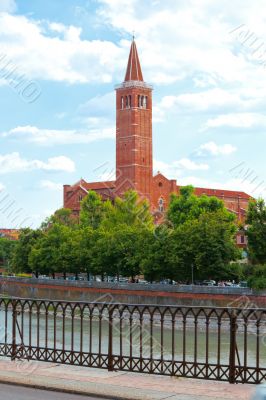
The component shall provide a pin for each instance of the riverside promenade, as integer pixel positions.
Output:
(117, 385)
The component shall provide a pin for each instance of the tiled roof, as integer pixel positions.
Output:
(98, 185)
(222, 193)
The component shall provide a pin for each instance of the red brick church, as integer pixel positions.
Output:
(134, 153)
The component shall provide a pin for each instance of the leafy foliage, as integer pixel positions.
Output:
(7, 247)
(120, 239)
(93, 210)
(187, 206)
(257, 279)
(256, 220)
(27, 240)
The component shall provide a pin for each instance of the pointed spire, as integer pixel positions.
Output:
(133, 72)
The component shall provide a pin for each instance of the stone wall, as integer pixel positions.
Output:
(130, 293)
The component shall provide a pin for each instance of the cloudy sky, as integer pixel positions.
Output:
(60, 60)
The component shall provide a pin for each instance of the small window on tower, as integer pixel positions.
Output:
(122, 103)
(160, 184)
(139, 101)
(129, 101)
(144, 102)
(126, 101)
(80, 197)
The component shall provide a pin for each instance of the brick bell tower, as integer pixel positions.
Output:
(134, 130)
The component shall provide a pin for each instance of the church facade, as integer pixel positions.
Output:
(134, 160)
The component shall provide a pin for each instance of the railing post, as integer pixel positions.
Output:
(14, 328)
(110, 341)
(232, 355)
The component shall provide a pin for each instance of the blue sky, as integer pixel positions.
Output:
(60, 60)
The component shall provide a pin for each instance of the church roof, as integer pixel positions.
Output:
(222, 193)
(133, 72)
(98, 185)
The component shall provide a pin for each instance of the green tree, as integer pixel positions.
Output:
(93, 210)
(58, 250)
(129, 210)
(129, 243)
(63, 216)
(156, 262)
(203, 237)
(256, 220)
(104, 254)
(206, 244)
(257, 279)
(20, 257)
(187, 206)
(87, 238)
(118, 252)
(7, 247)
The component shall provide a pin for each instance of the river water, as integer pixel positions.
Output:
(85, 335)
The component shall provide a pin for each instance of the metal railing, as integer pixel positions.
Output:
(225, 344)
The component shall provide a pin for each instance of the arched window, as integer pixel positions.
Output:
(126, 101)
(80, 197)
(161, 204)
(122, 103)
(142, 101)
(139, 101)
(129, 101)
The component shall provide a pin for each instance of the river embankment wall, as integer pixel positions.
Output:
(186, 295)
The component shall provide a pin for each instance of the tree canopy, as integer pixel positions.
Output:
(187, 206)
(7, 247)
(256, 220)
(121, 239)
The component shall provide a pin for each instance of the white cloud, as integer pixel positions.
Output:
(13, 162)
(202, 44)
(2, 187)
(8, 6)
(50, 137)
(213, 149)
(186, 163)
(174, 169)
(98, 111)
(236, 120)
(50, 185)
(211, 100)
(201, 49)
(202, 101)
(56, 52)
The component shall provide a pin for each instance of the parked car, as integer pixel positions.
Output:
(209, 283)
(143, 282)
(44, 277)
